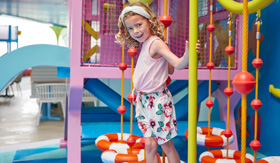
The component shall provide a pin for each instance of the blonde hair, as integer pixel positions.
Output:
(123, 36)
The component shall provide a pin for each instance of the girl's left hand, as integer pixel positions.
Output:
(198, 46)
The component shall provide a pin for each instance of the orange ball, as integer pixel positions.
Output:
(210, 27)
(131, 97)
(257, 63)
(228, 91)
(209, 103)
(210, 65)
(131, 141)
(255, 145)
(166, 20)
(122, 109)
(227, 133)
(244, 82)
(229, 50)
(122, 66)
(132, 52)
(256, 104)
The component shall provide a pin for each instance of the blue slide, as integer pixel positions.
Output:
(13, 63)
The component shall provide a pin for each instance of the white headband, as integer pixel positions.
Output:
(136, 9)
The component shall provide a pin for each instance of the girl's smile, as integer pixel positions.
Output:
(138, 27)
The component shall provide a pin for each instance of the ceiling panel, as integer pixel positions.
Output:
(48, 11)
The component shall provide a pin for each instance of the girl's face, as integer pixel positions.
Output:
(138, 27)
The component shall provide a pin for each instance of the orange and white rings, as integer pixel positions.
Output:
(272, 159)
(116, 156)
(112, 141)
(219, 156)
(215, 139)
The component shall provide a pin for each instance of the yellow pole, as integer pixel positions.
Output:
(193, 27)
(229, 62)
(165, 35)
(122, 89)
(131, 104)
(210, 60)
(165, 12)
(122, 94)
(244, 68)
(257, 85)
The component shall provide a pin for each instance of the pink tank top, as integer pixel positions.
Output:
(150, 74)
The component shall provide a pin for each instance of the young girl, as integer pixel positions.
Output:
(155, 110)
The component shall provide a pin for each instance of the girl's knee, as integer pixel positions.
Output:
(151, 145)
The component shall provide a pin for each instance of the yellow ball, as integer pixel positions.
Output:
(147, 2)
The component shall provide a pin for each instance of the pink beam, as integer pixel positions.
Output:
(115, 73)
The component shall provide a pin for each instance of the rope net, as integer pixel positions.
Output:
(100, 19)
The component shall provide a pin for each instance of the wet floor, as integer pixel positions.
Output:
(18, 116)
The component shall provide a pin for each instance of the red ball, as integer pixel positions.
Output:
(142, 142)
(227, 133)
(168, 81)
(257, 63)
(229, 50)
(131, 141)
(210, 27)
(209, 103)
(166, 20)
(228, 91)
(244, 82)
(121, 109)
(131, 97)
(255, 145)
(122, 66)
(132, 52)
(210, 65)
(256, 104)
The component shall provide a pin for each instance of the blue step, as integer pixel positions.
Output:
(99, 114)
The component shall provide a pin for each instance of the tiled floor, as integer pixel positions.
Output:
(18, 117)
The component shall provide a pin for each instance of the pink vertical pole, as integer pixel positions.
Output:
(76, 86)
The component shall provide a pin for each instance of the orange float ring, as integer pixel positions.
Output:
(117, 156)
(219, 156)
(215, 139)
(113, 141)
(272, 159)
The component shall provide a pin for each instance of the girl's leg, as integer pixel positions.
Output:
(151, 150)
(171, 152)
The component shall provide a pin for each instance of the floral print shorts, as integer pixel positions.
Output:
(156, 116)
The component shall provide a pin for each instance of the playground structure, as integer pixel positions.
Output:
(92, 59)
